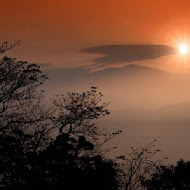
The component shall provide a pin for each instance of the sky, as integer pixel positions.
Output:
(57, 31)
(110, 33)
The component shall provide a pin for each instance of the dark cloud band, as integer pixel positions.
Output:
(128, 53)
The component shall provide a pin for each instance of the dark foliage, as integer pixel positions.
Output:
(62, 165)
(171, 177)
(57, 147)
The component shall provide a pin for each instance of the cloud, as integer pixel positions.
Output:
(113, 54)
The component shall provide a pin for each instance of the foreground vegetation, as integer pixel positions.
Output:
(60, 147)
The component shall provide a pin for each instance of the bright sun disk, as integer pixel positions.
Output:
(183, 49)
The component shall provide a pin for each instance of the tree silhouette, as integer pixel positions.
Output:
(171, 177)
(57, 147)
(77, 112)
(20, 100)
(139, 165)
(64, 166)
(5, 46)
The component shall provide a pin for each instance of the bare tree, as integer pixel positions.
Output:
(77, 111)
(76, 116)
(5, 46)
(21, 105)
(139, 165)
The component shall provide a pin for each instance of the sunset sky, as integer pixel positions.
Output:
(56, 31)
(146, 103)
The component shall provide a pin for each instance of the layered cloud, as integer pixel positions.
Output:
(113, 54)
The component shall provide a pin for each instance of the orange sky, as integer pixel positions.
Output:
(55, 30)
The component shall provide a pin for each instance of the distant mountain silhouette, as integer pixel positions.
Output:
(137, 86)
(83, 72)
(174, 114)
(130, 70)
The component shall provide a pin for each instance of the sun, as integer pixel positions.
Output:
(183, 49)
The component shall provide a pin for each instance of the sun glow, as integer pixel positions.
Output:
(183, 49)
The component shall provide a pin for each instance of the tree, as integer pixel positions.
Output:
(139, 166)
(20, 100)
(170, 177)
(5, 46)
(76, 114)
(50, 147)
(64, 166)
(24, 122)
(69, 157)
